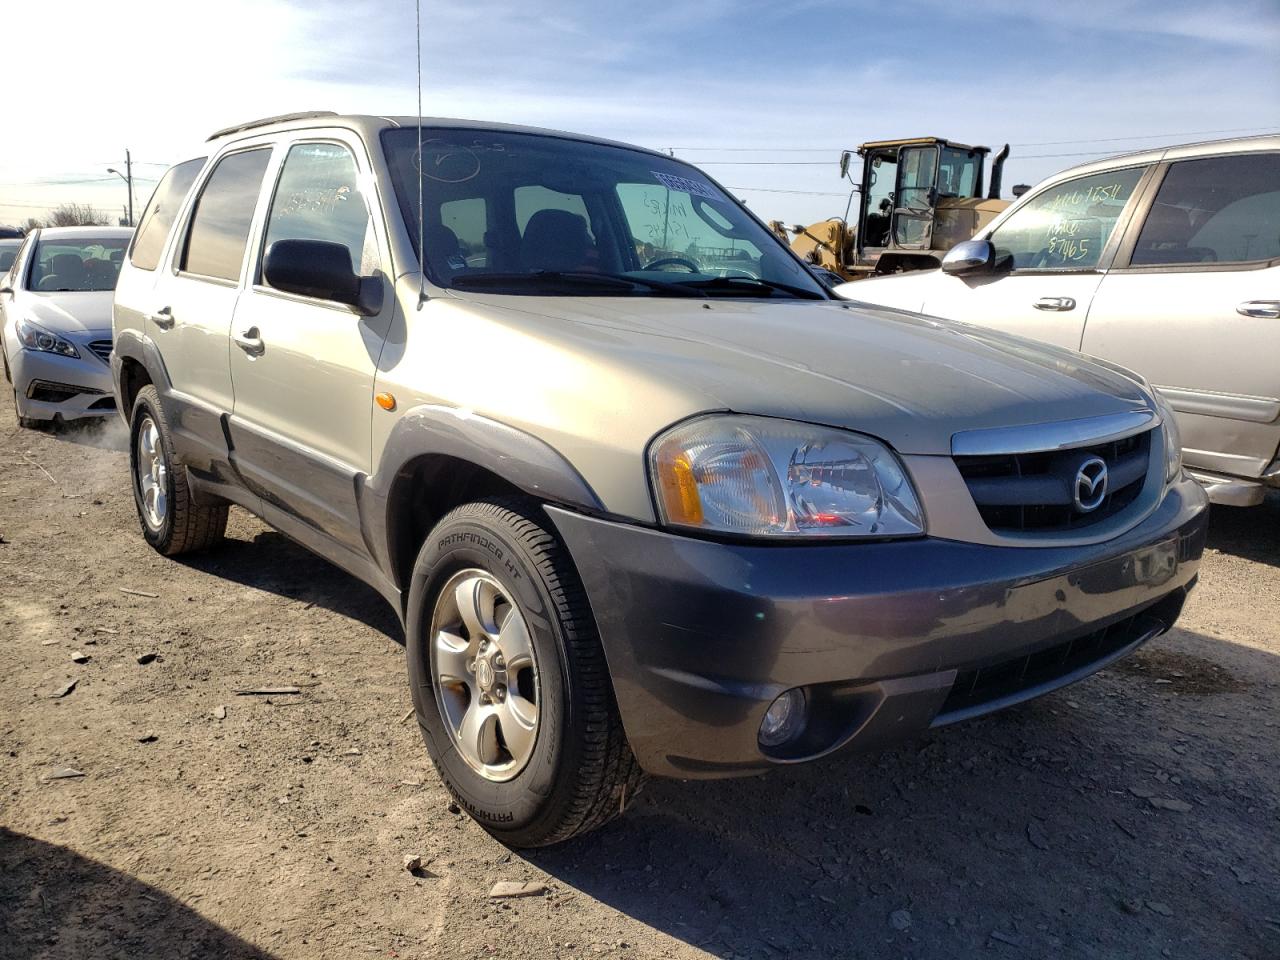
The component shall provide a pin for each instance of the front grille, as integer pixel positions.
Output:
(101, 349)
(988, 688)
(1036, 491)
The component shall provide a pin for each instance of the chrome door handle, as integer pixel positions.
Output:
(250, 342)
(1055, 303)
(163, 318)
(1262, 309)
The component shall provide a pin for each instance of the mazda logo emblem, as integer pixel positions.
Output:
(1091, 485)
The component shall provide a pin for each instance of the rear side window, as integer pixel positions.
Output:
(318, 198)
(1215, 210)
(223, 215)
(157, 219)
(1067, 226)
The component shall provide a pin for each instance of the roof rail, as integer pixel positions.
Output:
(265, 121)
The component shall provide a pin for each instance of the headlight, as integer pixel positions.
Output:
(36, 337)
(757, 476)
(1172, 439)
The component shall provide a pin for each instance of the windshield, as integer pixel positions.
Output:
(80, 263)
(532, 214)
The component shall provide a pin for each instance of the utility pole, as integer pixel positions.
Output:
(127, 177)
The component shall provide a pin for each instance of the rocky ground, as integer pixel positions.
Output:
(148, 809)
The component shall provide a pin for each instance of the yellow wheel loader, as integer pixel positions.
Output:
(917, 199)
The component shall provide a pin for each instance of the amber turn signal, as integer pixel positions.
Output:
(386, 401)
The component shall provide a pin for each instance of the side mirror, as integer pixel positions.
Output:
(845, 157)
(6, 289)
(969, 256)
(320, 269)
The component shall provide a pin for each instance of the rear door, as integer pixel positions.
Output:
(303, 368)
(1051, 254)
(1193, 304)
(195, 301)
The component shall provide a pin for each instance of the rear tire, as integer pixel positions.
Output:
(172, 522)
(579, 772)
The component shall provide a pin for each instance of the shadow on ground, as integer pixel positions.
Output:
(973, 830)
(274, 563)
(1249, 532)
(56, 904)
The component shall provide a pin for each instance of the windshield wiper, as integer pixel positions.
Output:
(730, 283)
(583, 278)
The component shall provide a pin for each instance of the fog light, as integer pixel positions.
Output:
(785, 719)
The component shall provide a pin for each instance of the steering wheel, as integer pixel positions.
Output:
(678, 261)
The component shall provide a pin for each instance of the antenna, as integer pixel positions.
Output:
(422, 210)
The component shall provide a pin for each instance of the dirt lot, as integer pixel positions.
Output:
(1134, 815)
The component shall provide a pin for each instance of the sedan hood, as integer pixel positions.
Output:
(71, 312)
(910, 380)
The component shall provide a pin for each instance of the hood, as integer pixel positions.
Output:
(910, 380)
(71, 312)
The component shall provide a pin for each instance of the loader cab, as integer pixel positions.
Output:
(907, 186)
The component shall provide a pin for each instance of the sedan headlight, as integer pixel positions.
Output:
(762, 477)
(1172, 438)
(35, 337)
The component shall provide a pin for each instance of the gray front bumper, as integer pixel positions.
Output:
(701, 636)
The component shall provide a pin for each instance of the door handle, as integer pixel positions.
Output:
(1262, 309)
(1055, 303)
(163, 318)
(250, 342)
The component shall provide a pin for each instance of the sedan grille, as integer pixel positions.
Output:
(1058, 490)
(101, 349)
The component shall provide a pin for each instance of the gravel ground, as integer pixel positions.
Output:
(1136, 814)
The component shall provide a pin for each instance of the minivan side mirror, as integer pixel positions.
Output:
(320, 269)
(969, 256)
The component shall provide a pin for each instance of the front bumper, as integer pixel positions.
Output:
(40, 381)
(887, 638)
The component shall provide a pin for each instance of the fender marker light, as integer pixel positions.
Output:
(386, 401)
(679, 489)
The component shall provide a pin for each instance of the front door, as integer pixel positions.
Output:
(1193, 304)
(1050, 257)
(303, 368)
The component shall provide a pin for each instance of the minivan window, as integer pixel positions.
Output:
(318, 198)
(569, 217)
(162, 210)
(223, 214)
(1067, 226)
(1214, 210)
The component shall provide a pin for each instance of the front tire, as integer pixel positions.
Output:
(172, 522)
(509, 680)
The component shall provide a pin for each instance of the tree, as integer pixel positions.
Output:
(76, 215)
(31, 223)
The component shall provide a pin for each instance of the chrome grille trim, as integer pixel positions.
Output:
(1055, 435)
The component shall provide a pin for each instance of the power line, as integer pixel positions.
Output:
(767, 163)
(1140, 136)
(801, 193)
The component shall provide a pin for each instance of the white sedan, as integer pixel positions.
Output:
(55, 322)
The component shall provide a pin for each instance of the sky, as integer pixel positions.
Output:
(763, 94)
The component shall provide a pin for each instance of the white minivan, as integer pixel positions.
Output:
(1166, 262)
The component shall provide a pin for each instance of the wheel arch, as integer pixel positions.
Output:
(437, 458)
(136, 362)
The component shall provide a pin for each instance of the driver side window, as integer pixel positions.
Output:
(1066, 227)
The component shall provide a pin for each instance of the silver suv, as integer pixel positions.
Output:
(647, 499)
(1166, 261)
